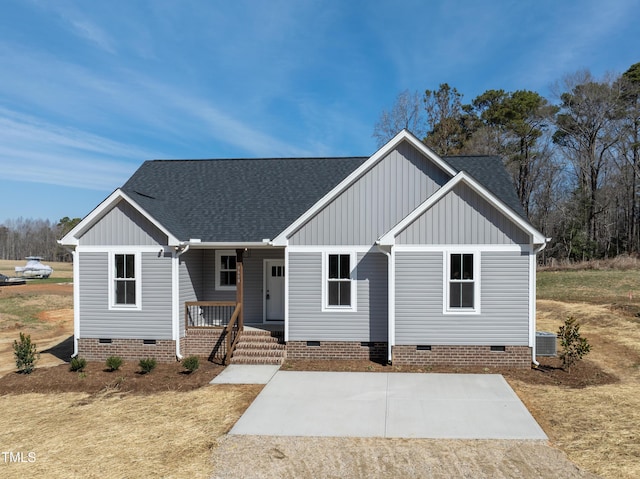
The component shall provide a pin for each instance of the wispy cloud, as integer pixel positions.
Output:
(36, 151)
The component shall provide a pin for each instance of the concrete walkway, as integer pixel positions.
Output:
(246, 374)
(400, 405)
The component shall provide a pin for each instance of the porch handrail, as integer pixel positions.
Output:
(231, 333)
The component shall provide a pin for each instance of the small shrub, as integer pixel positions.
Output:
(114, 363)
(191, 363)
(147, 365)
(78, 364)
(26, 354)
(573, 346)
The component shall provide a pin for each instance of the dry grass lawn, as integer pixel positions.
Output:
(597, 427)
(75, 435)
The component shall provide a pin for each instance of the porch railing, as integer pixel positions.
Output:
(223, 315)
(208, 314)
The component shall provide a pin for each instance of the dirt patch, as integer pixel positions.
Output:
(276, 457)
(96, 378)
(37, 288)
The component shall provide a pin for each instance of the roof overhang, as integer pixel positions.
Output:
(389, 238)
(403, 136)
(72, 237)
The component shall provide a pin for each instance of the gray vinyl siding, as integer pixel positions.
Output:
(190, 279)
(376, 202)
(476, 222)
(197, 281)
(307, 321)
(123, 225)
(153, 321)
(504, 297)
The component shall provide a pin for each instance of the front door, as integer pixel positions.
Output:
(274, 290)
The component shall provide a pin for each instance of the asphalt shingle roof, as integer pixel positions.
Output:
(240, 200)
(247, 200)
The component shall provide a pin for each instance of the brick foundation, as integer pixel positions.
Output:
(331, 350)
(92, 349)
(203, 342)
(511, 357)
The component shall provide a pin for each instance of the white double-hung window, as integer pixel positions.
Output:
(339, 287)
(226, 270)
(462, 282)
(124, 287)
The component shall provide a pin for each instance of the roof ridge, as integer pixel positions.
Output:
(260, 159)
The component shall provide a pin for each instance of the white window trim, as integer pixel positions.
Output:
(219, 253)
(353, 258)
(138, 279)
(446, 257)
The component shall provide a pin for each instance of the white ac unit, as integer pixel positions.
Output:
(546, 344)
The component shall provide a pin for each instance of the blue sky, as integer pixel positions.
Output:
(90, 90)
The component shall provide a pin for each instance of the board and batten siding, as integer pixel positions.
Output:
(376, 202)
(307, 321)
(123, 225)
(153, 321)
(476, 222)
(504, 297)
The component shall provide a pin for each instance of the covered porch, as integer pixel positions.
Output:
(229, 293)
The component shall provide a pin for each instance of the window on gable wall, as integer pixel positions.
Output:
(124, 280)
(338, 280)
(462, 281)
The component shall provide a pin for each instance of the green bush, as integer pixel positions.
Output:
(26, 354)
(114, 363)
(574, 346)
(78, 364)
(191, 363)
(147, 365)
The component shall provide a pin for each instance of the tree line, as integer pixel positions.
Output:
(575, 161)
(35, 237)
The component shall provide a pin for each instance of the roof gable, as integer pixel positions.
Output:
(389, 238)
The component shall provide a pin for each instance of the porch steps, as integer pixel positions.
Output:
(259, 347)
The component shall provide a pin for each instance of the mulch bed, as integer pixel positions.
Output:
(97, 378)
(584, 373)
(172, 377)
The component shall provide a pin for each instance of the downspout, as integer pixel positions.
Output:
(390, 302)
(533, 299)
(176, 285)
(76, 302)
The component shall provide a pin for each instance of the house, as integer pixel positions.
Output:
(403, 256)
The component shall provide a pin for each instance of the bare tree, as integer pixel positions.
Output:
(586, 132)
(406, 113)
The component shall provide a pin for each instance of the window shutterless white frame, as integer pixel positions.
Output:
(352, 278)
(446, 305)
(218, 269)
(137, 278)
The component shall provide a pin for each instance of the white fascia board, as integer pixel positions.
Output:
(71, 238)
(403, 135)
(389, 237)
(227, 245)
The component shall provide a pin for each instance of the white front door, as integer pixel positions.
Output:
(274, 289)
